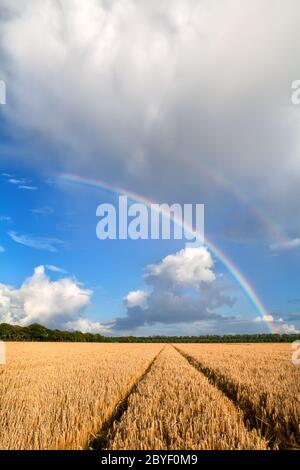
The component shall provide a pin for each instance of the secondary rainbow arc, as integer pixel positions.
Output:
(247, 288)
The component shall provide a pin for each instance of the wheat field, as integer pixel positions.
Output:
(149, 396)
(262, 379)
(183, 412)
(54, 396)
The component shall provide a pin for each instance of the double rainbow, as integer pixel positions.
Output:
(232, 268)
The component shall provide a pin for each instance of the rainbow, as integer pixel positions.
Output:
(224, 183)
(231, 267)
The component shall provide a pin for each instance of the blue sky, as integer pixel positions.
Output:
(141, 115)
(62, 217)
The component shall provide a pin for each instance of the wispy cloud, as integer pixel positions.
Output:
(5, 218)
(42, 210)
(30, 188)
(2, 249)
(286, 245)
(38, 243)
(21, 183)
(16, 181)
(55, 269)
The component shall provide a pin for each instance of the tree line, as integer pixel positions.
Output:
(38, 332)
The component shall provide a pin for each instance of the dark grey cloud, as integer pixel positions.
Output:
(182, 289)
(167, 307)
(183, 292)
(291, 317)
(176, 103)
(246, 227)
(220, 325)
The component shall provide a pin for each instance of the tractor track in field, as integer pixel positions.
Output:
(101, 440)
(231, 391)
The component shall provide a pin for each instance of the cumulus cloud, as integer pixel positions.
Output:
(38, 243)
(182, 288)
(184, 296)
(137, 298)
(38, 299)
(117, 87)
(210, 325)
(190, 267)
(241, 325)
(87, 326)
(264, 318)
(277, 325)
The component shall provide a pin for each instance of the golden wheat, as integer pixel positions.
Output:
(57, 396)
(54, 396)
(175, 407)
(263, 381)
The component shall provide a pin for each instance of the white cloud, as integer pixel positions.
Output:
(55, 269)
(277, 325)
(264, 318)
(137, 298)
(16, 181)
(87, 326)
(45, 210)
(169, 299)
(286, 245)
(38, 299)
(118, 85)
(281, 327)
(38, 243)
(2, 249)
(185, 296)
(190, 267)
(29, 188)
(22, 183)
